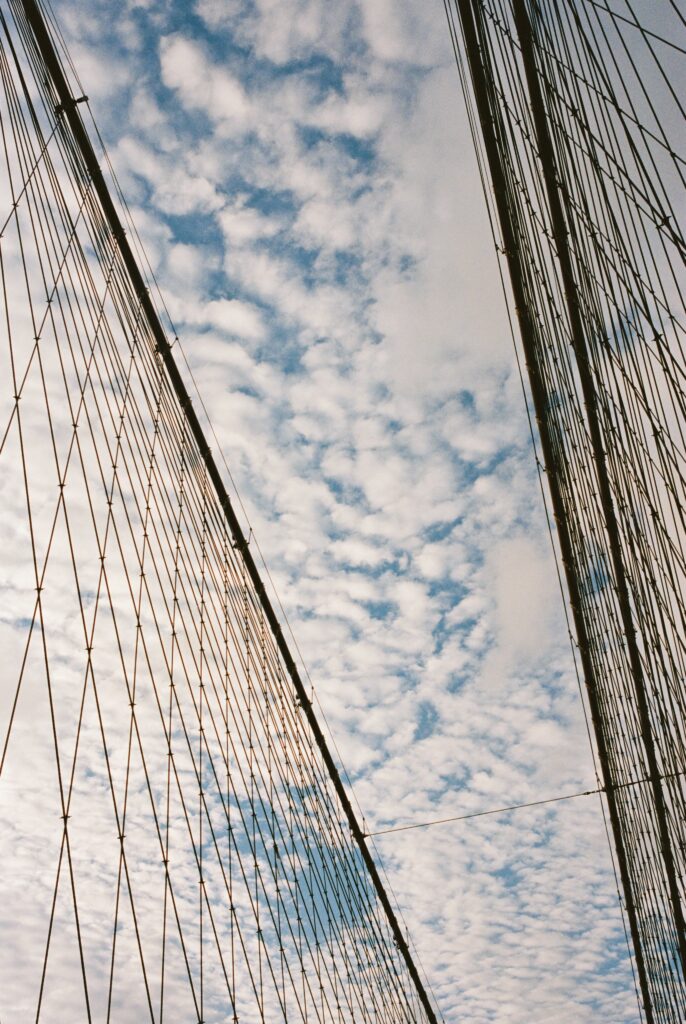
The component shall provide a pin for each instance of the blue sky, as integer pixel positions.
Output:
(302, 177)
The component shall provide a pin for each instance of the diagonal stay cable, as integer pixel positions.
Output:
(68, 104)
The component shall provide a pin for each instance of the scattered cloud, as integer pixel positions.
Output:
(302, 178)
(201, 84)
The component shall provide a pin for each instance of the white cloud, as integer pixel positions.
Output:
(243, 224)
(201, 84)
(363, 389)
(280, 31)
(234, 317)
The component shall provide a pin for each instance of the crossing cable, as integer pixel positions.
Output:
(493, 217)
(560, 230)
(481, 164)
(501, 810)
(63, 477)
(125, 436)
(627, 253)
(548, 440)
(68, 106)
(142, 255)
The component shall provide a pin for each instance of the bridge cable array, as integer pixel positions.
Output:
(577, 119)
(183, 848)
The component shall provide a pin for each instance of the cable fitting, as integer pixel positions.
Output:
(69, 104)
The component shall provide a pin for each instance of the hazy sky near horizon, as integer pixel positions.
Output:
(302, 178)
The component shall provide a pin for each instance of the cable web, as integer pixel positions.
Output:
(580, 131)
(173, 845)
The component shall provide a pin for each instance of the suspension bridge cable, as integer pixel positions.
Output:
(173, 703)
(575, 104)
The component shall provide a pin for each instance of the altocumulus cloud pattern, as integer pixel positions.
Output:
(177, 841)
(588, 190)
(188, 806)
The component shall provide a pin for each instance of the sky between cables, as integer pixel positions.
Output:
(303, 181)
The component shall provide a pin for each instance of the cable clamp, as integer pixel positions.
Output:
(243, 543)
(69, 104)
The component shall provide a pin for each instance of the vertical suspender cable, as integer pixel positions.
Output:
(489, 117)
(69, 110)
(555, 196)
